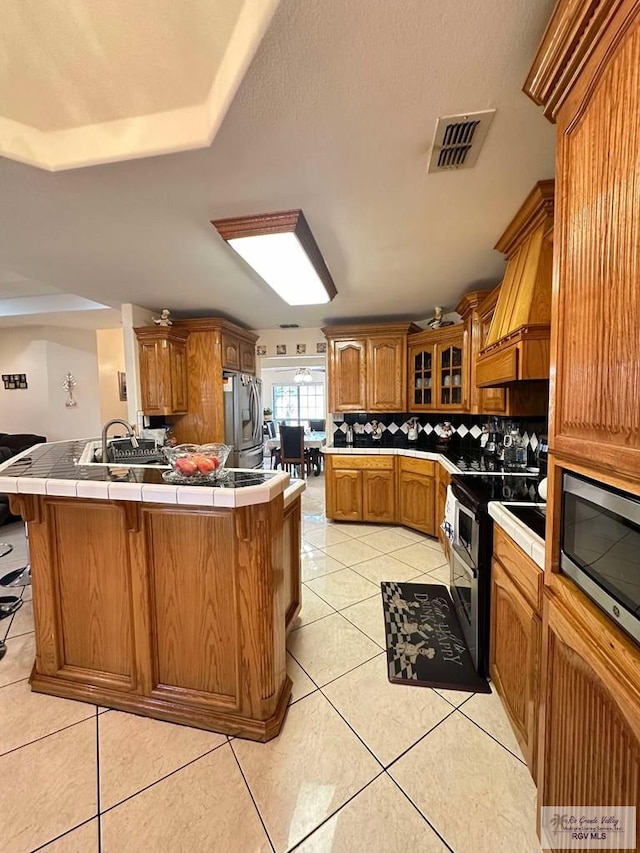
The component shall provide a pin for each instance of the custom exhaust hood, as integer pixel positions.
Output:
(517, 347)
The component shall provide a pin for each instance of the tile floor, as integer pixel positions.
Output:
(360, 765)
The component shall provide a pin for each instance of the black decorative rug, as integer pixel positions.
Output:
(425, 644)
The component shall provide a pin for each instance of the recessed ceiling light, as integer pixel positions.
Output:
(282, 250)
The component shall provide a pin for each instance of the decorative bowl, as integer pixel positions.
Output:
(195, 464)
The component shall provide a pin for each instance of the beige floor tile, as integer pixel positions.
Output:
(307, 547)
(317, 563)
(302, 684)
(330, 647)
(352, 552)
(481, 800)
(385, 540)
(326, 536)
(384, 567)
(22, 622)
(53, 787)
(340, 589)
(355, 529)
(204, 807)
(137, 751)
(27, 716)
(455, 697)
(84, 839)
(415, 536)
(313, 607)
(379, 820)
(18, 661)
(421, 557)
(487, 711)
(440, 575)
(368, 616)
(314, 766)
(388, 717)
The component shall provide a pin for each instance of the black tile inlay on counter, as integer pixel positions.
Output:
(59, 462)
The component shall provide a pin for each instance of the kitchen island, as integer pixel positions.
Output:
(168, 601)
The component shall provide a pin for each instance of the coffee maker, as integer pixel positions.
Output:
(492, 445)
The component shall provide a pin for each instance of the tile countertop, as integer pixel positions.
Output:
(395, 451)
(523, 536)
(52, 469)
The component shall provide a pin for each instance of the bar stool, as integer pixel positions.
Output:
(16, 577)
(8, 603)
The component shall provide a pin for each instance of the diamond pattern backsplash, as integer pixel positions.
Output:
(468, 428)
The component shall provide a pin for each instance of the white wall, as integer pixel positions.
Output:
(110, 363)
(46, 354)
(290, 338)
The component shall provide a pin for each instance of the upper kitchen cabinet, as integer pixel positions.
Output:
(438, 370)
(517, 344)
(367, 367)
(586, 75)
(163, 370)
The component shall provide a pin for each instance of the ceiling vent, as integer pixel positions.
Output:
(458, 140)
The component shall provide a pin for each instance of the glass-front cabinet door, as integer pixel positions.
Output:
(422, 377)
(450, 374)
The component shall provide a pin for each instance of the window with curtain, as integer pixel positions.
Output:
(296, 405)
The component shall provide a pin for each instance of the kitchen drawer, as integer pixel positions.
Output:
(417, 466)
(347, 462)
(520, 567)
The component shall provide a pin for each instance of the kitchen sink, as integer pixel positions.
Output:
(87, 457)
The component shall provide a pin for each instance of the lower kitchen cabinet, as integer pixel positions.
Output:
(416, 494)
(590, 721)
(360, 488)
(378, 496)
(443, 478)
(516, 631)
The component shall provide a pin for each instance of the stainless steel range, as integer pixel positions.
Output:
(470, 555)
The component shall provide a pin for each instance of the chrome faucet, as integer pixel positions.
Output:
(105, 430)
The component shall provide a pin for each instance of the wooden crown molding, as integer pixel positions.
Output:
(537, 207)
(572, 34)
(215, 324)
(286, 221)
(470, 302)
(160, 333)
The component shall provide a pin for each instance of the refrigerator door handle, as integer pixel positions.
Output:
(257, 423)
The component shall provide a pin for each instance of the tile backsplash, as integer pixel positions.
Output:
(467, 428)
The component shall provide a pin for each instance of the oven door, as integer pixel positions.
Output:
(464, 592)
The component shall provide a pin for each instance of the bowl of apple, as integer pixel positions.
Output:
(195, 464)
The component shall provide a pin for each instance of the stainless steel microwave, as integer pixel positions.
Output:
(600, 547)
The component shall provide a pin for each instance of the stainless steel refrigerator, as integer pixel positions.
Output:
(243, 419)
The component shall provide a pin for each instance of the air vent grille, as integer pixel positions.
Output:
(458, 140)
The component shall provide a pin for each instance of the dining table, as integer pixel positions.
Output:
(313, 440)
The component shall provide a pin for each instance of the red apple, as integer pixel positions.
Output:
(186, 466)
(205, 466)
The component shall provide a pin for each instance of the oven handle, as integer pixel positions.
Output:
(625, 507)
(470, 570)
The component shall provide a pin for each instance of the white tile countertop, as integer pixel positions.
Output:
(395, 451)
(52, 469)
(530, 542)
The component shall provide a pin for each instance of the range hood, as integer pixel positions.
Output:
(517, 347)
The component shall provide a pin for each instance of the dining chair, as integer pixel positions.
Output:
(292, 451)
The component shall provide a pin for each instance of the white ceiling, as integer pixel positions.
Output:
(335, 115)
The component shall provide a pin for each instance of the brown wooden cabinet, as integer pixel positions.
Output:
(516, 627)
(416, 494)
(438, 370)
(360, 488)
(378, 496)
(589, 87)
(367, 367)
(590, 725)
(162, 356)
